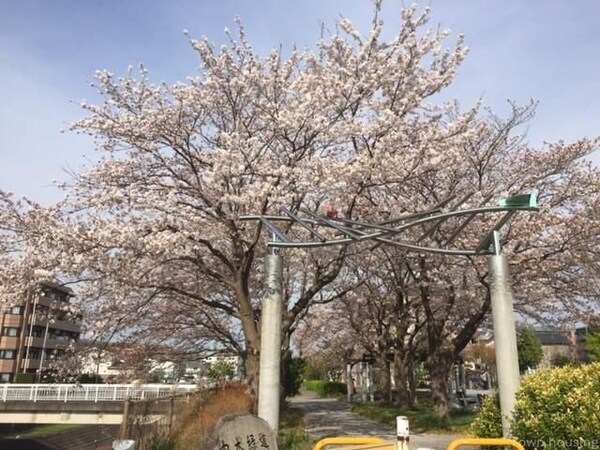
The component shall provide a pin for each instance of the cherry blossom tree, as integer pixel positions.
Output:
(151, 229)
(447, 298)
(353, 129)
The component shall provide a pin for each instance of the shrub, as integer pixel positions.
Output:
(293, 373)
(488, 422)
(530, 349)
(220, 371)
(326, 388)
(312, 385)
(203, 413)
(332, 388)
(555, 408)
(563, 360)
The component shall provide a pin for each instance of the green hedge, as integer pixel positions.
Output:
(326, 388)
(26, 378)
(555, 409)
(311, 385)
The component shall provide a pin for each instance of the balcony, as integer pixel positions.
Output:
(45, 301)
(57, 342)
(30, 364)
(63, 325)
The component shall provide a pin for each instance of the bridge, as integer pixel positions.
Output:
(75, 403)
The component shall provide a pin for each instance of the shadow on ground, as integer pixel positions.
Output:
(331, 417)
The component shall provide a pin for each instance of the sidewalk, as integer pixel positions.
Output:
(331, 417)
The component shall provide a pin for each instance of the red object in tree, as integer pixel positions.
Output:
(331, 211)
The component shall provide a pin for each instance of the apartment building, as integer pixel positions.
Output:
(35, 331)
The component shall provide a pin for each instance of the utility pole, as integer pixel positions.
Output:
(270, 343)
(505, 340)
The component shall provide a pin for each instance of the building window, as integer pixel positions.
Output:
(5, 377)
(16, 310)
(37, 332)
(7, 354)
(34, 354)
(11, 331)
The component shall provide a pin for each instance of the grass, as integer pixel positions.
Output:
(291, 418)
(53, 428)
(292, 434)
(421, 419)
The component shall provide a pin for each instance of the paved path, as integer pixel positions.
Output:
(330, 418)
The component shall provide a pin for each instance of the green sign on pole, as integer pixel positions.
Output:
(520, 201)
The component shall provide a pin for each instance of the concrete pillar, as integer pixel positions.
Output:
(505, 338)
(270, 344)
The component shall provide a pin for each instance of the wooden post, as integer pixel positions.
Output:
(125, 421)
(171, 411)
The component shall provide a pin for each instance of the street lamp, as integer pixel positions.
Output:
(390, 233)
(503, 317)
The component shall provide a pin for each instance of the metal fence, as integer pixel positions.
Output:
(90, 392)
(149, 422)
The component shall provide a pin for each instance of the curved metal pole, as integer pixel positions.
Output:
(380, 235)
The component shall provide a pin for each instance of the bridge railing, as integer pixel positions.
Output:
(89, 392)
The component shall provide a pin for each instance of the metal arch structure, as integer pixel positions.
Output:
(355, 231)
(394, 233)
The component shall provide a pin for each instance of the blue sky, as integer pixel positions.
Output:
(547, 50)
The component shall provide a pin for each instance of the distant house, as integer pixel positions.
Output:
(557, 346)
(581, 335)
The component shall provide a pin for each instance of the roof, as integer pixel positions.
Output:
(58, 287)
(553, 337)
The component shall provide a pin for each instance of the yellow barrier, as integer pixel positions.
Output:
(350, 441)
(500, 442)
(367, 443)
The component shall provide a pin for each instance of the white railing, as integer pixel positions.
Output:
(90, 392)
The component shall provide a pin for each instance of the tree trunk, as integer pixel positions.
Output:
(382, 375)
(404, 378)
(401, 381)
(252, 371)
(412, 384)
(439, 366)
(252, 365)
(252, 338)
